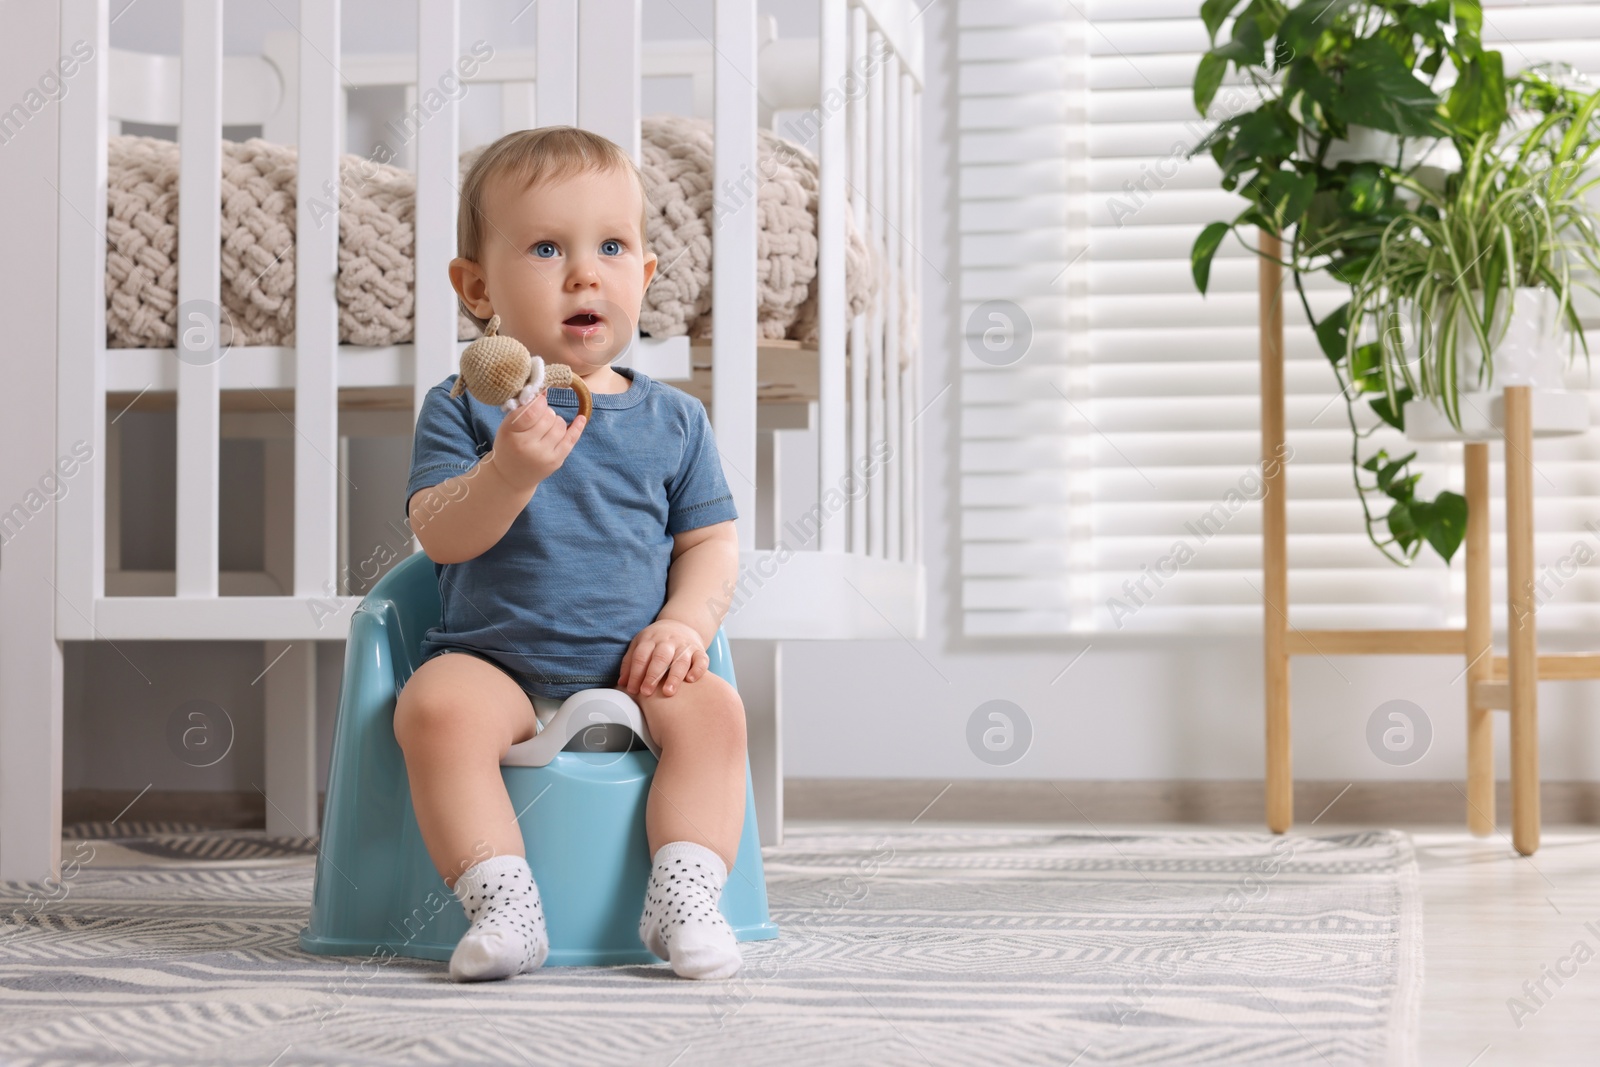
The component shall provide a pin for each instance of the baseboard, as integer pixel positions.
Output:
(215, 810)
(1204, 802)
(987, 800)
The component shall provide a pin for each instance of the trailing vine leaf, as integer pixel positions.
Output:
(1207, 78)
(1257, 142)
(1256, 24)
(1381, 92)
(1468, 16)
(1302, 26)
(1366, 191)
(1387, 472)
(1285, 196)
(1449, 525)
(1366, 368)
(1411, 522)
(1214, 13)
(1205, 247)
(1394, 416)
(1310, 81)
(1331, 333)
(1248, 47)
(1402, 526)
(1477, 103)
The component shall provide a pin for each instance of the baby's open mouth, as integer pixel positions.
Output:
(583, 318)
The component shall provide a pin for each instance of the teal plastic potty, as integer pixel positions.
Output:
(579, 788)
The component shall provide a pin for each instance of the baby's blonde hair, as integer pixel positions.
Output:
(532, 156)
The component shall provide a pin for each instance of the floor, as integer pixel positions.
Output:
(1512, 944)
(1511, 948)
(1493, 921)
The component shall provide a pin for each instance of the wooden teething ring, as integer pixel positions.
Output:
(496, 368)
(554, 373)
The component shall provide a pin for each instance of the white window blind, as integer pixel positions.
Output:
(1110, 476)
(1022, 86)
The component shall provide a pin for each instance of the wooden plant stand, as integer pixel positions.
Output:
(1508, 683)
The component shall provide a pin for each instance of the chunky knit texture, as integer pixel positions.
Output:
(377, 242)
(507, 935)
(682, 922)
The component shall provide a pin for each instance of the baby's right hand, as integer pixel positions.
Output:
(532, 443)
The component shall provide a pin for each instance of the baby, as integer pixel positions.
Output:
(570, 558)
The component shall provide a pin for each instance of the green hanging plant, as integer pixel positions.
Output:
(1329, 74)
(1515, 216)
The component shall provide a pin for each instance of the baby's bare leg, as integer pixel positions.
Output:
(698, 792)
(693, 820)
(455, 719)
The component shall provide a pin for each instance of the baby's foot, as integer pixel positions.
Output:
(507, 935)
(682, 922)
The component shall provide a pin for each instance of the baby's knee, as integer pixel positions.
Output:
(436, 708)
(707, 708)
(424, 717)
(731, 713)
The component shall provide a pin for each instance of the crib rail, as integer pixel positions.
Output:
(866, 120)
(863, 521)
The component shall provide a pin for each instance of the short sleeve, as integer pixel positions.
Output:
(443, 444)
(698, 494)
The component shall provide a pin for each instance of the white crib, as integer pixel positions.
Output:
(861, 577)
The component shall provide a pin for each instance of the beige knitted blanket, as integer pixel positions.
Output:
(377, 243)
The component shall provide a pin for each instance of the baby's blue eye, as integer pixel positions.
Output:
(612, 246)
(538, 249)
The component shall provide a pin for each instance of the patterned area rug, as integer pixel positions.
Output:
(177, 840)
(898, 945)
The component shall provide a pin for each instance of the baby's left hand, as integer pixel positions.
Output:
(664, 653)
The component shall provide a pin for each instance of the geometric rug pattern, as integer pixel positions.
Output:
(898, 944)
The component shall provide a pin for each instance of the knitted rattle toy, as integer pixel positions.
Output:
(499, 372)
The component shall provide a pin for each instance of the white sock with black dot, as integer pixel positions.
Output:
(682, 922)
(507, 935)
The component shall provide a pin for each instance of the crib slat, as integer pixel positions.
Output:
(316, 487)
(200, 320)
(889, 476)
(858, 323)
(897, 21)
(733, 299)
(905, 459)
(316, 326)
(872, 223)
(438, 191)
(832, 421)
(916, 367)
(81, 323)
(608, 70)
(557, 47)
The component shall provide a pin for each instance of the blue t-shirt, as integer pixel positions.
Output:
(584, 567)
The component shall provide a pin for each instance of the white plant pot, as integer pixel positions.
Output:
(1435, 165)
(1586, 302)
(1526, 349)
(1527, 352)
(1368, 145)
(1429, 160)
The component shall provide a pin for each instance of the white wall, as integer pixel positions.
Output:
(1133, 707)
(1130, 707)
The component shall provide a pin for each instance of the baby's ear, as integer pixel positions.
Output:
(471, 286)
